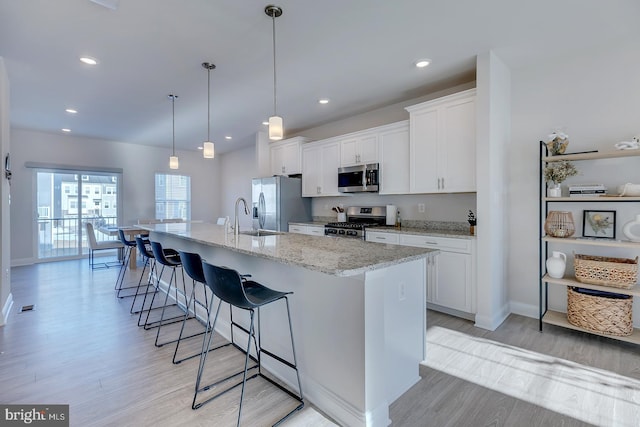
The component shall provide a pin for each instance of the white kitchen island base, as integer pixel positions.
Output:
(359, 338)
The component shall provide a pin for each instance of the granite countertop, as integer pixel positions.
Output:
(331, 255)
(456, 234)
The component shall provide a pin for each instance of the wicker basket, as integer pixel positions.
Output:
(600, 313)
(614, 272)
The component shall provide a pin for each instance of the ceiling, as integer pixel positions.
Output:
(358, 53)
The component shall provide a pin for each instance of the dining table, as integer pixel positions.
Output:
(130, 232)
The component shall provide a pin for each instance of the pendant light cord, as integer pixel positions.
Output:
(275, 110)
(208, 103)
(173, 124)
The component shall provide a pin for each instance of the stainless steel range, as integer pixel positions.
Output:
(358, 218)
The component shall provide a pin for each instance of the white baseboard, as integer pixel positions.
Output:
(22, 262)
(6, 309)
(527, 310)
(492, 322)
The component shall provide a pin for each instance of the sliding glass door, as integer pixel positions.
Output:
(65, 201)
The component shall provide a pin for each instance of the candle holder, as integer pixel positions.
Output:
(559, 224)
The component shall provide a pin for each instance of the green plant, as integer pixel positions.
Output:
(557, 172)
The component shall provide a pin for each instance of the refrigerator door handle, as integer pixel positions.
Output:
(261, 210)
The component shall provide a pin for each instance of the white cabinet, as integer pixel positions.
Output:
(359, 148)
(312, 230)
(315, 230)
(381, 237)
(393, 155)
(320, 163)
(286, 156)
(451, 283)
(299, 229)
(442, 143)
(451, 279)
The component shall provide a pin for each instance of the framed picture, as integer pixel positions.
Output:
(599, 224)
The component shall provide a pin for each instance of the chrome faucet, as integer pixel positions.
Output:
(236, 227)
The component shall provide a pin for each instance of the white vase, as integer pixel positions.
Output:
(628, 232)
(554, 190)
(556, 264)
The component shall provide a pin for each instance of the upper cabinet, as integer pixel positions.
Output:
(286, 158)
(359, 148)
(442, 144)
(320, 163)
(393, 150)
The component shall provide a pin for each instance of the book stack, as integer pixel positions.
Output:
(587, 190)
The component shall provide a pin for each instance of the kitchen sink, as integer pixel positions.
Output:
(259, 233)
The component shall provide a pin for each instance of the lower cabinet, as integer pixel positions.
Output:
(451, 281)
(313, 230)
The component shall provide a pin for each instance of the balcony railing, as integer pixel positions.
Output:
(65, 237)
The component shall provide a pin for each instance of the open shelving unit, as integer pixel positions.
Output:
(556, 318)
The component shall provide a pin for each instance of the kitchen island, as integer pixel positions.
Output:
(358, 311)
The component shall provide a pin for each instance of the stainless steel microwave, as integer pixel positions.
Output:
(359, 179)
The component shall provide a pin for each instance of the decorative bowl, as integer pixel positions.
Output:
(629, 190)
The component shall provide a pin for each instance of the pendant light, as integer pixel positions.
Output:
(208, 149)
(276, 128)
(173, 159)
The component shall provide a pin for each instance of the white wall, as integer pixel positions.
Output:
(139, 164)
(5, 198)
(238, 168)
(594, 98)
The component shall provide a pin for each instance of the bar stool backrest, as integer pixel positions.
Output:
(142, 248)
(124, 240)
(159, 255)
(192, 264)
(226, 284)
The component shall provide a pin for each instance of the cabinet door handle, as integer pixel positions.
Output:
(431, 243)
(283, 169)
(443, 183)
(380, 238)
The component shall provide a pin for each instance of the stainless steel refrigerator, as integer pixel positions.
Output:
(276, 201)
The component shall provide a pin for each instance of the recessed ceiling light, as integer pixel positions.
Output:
(323, 101)
(88, 60)
(66, 130)
(227, 137)
(265, 123)
(71, 111)
(423, 63)
(200, 147)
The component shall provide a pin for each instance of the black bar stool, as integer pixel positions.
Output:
(227, 285)
(167, 258)
(144, 249)
(128, 246)
(192, 265)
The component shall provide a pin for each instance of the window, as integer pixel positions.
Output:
(173, 196)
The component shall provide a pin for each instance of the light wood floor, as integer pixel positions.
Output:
(475, 377)
(80, 346)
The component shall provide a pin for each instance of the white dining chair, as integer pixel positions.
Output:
(94, 245)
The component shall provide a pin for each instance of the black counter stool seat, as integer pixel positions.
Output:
(171, 260)
(227, 285)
